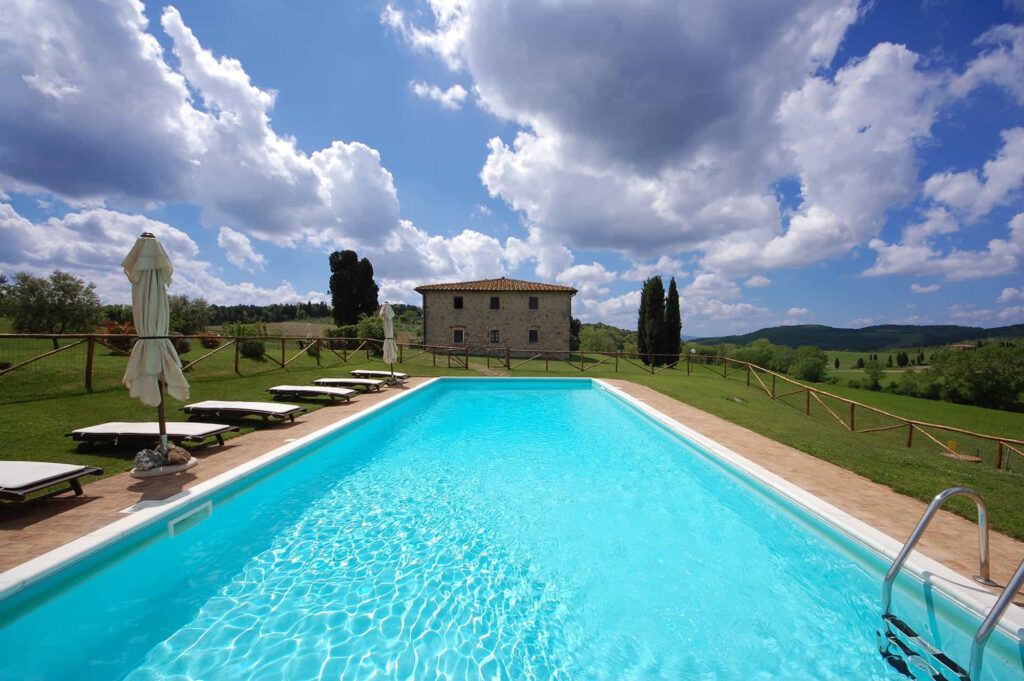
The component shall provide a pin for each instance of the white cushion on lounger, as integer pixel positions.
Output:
(15, 474)
(369, 382)
(174, 428)
(311, 390)
(381, 374)
(254, 407)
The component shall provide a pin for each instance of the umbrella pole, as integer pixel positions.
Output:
(161, 417)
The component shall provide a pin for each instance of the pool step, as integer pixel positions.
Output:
(915, 658)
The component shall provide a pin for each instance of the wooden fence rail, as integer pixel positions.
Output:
(459, 357)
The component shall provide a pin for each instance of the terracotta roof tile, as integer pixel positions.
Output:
(501, 284)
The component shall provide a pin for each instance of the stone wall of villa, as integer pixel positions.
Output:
(513, 320)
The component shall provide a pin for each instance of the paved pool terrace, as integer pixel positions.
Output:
(31, 529)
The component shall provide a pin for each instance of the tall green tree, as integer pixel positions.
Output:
(353, 290)
(61, 304)
(188, 316)
(575, 326)
(671, 342)
(651, 321)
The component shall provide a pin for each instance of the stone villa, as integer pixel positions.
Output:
(497, 313)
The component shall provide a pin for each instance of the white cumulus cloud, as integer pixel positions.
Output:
(452, 98)
(238, 249)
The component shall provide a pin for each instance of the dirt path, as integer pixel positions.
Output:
(486, 370)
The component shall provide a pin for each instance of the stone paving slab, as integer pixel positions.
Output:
(31, 529)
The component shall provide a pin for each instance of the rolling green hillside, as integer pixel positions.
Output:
(869, 338)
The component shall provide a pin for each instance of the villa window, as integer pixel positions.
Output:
(534, 336)
(534, 303)
(458, 302)
(495, 336)
(495, 303)
(457, 336)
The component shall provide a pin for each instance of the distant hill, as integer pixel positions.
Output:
(884, 337)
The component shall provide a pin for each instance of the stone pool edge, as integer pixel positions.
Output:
(147, 513)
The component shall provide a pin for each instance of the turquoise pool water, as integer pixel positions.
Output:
(474, 530)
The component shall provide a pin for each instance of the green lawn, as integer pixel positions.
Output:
(42, 402)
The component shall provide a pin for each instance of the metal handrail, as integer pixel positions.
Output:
(922, 524)
(985, 630)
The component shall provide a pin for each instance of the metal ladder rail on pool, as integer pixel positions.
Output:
(1001, 604)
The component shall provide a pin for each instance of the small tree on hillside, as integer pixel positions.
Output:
(353, 290)
(873, 373)
(836, 363)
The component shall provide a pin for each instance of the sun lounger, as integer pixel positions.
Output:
(312, 391)
(20, 478)
(219, 408)
(148, 432)
(389, 376)
(367, 383)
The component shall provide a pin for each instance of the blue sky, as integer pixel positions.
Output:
(801, 161)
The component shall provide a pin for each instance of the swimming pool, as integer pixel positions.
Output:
(475, 528)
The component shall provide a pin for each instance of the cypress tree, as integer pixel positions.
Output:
(650, 325)
(673, 323)
(642, 345)
(353, 290)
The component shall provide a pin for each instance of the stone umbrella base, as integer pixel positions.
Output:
(165, 470)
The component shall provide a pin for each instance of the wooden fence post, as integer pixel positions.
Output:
(401, 353)
(748, 375)
(283, 358)
(808, 391)
(236, 355)
(773, 386)
(88, 363)
(999, 454)
(317, 352)
(467, 359)
(725, 366)
(508, 359)
(852, 427)
(616, 361)
(910, 434)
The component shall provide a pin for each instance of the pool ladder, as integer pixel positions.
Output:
(898, 633)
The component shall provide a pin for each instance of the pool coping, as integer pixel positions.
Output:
(973, 598)
(958, 588)
(149, 512)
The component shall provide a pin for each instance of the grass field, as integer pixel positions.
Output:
(45, 400)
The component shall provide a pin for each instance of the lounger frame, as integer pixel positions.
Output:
(129, 438)
(238, 412)
(309, 391)
(330, 382)
(386, 376)
(72, 478)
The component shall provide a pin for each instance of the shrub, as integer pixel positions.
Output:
(181, 345)
(853, 383)
(112, 327)
(370, 326)
(343, 331)
(209, 341)
(253, 348)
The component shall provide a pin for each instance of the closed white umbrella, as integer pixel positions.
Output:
(390, 349)
(153, 364)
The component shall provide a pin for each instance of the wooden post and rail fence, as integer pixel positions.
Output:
(509, 359)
